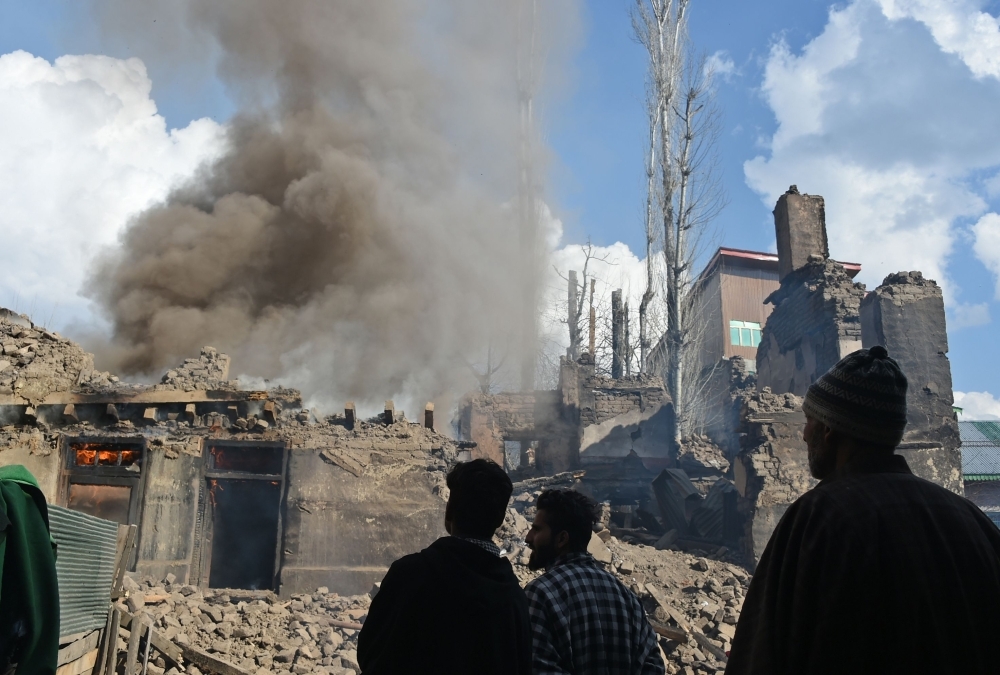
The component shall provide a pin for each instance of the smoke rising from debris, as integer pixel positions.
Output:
(356, 238)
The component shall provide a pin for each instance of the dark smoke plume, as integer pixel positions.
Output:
(355, 239)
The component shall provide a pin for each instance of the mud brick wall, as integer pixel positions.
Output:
(906, 315)
(816, 322)
(773, 469)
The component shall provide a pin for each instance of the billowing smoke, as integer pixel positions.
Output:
(357, 238)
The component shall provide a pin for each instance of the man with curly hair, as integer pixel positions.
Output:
(583, 620)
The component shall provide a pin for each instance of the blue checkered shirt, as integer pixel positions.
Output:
(586, 622)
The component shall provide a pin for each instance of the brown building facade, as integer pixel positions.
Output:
(732, 290)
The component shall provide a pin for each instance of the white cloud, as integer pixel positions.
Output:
(987, 244)
(720, 64)
(81, 150)
(877, 116)
(612, 267)
(958, 27)
(977, 405)
(968, 316)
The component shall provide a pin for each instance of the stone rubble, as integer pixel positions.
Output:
(35, 362)
(260, 634)
(699, 456)
(704, 593)
(252, 630)
(209, 371)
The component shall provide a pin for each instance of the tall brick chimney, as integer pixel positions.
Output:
(800, 228)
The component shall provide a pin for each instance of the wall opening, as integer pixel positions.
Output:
(104, 478)
(245, 519)
(244, 487)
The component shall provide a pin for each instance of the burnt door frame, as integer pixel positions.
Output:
(204, 541)
(72, 473)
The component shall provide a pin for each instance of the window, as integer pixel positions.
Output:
(744, 333)
(103, 477)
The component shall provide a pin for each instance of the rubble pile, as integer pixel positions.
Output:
(35, 362)
(253, 630)
(698, 596)
(209, 371)
(692, 597)
(764, 402)
(699, 456)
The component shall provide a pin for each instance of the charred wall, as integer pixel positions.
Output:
(587, 418)
(906, 315)
(815, 323)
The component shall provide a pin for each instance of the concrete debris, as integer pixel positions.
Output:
(702, 594)
(699, 456)
(254, 630)
(35, 362)
(209, 371)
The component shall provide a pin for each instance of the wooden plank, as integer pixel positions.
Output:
(675, 634)
(111, 655)
(170, 651)
(84, 664)
(72, 652)
(210, 663)
(105, 643)
(69, 639)
(132, 654)
(662, 601)
(145, 652)
(124, 556)
(703, 641)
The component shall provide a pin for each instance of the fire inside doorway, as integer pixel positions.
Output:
(104, 479)
(245, 484)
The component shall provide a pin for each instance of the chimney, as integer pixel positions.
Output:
(389, 415)
(429, 416)
(350, 417)
(800, 228)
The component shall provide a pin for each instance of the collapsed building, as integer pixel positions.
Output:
(775, 323)
(228, 487)
(819, 316)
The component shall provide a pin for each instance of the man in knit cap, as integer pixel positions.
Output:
(874, 570)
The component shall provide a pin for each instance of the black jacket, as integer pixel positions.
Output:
(453, 608)
(874, 571)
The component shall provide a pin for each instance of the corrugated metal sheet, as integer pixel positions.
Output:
(980, 449)
(85, 564)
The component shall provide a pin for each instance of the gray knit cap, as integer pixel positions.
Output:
(863, 396)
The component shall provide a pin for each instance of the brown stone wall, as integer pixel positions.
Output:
(773, 469)
(906, 315)
(816, 322)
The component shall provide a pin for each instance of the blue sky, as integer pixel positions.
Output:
(878, 130)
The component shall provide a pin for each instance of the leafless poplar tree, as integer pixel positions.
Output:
(684, 194)
(577, 298)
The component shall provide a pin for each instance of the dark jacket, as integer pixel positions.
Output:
(29, 591)
(874, 571)
(453, 608)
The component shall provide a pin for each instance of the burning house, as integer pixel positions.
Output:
(228, 487)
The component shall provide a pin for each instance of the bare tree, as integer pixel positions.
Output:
(577, 298)
(684, 193)
(486, 373)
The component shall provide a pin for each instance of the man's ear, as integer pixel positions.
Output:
(829, 436)
(562, 540)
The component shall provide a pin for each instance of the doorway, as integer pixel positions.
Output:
(244, 533)
(244, 490)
